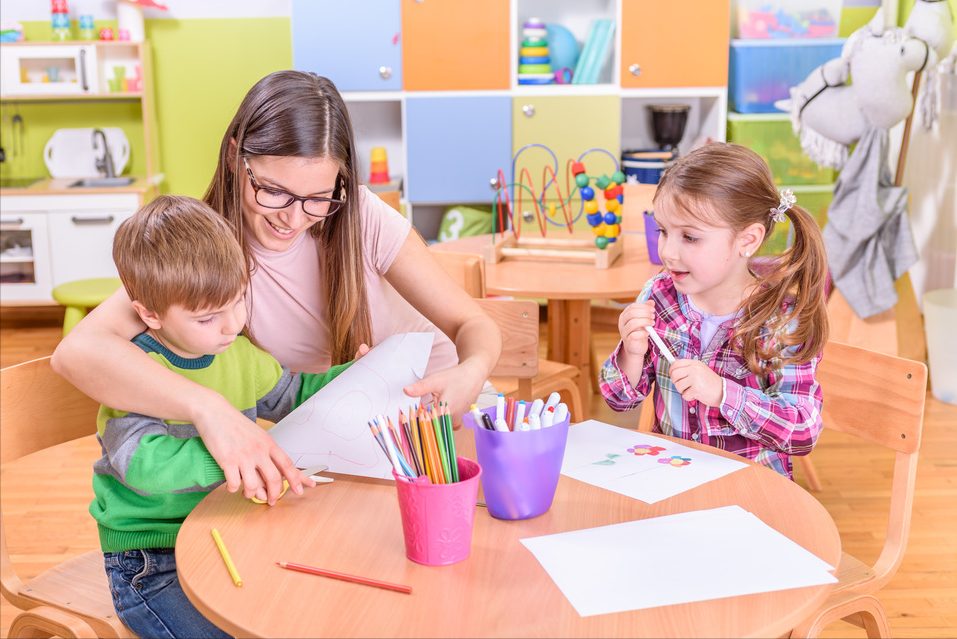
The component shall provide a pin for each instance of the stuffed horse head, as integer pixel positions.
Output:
(830, 113)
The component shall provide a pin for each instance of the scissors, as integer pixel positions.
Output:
(311, 472)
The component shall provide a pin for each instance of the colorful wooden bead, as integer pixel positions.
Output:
(603, 182)
(587, 193)
(578, 167)
(591, 206)
(581, 180)
(618, 176)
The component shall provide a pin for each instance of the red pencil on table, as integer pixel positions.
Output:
(339, 575)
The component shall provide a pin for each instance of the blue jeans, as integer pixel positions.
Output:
(149, 599)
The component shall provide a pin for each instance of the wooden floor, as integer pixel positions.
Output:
(921, 601)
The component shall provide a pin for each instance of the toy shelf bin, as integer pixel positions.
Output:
(761, 72)
(815, 198)
(770, 136)
(787, 18)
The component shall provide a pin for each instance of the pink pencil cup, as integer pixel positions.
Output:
(437, 518)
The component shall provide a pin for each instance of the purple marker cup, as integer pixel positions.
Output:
(651, 236)
(520, 469)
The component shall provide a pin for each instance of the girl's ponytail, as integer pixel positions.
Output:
(799, 280)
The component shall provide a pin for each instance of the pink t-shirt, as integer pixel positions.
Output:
(287, 301)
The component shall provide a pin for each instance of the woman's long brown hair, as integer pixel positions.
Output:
(735, 184)
(301, 114)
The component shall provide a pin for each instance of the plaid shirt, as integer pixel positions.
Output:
(766, 418)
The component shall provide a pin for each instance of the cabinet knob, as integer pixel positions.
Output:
(529, 110)
(635, 69)
(385, 72)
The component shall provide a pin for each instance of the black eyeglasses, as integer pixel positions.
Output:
(273, 198)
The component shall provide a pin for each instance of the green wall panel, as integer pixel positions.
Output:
(201, 71)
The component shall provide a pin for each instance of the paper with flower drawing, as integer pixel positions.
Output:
(636, 464)
(629, 566)
(332, 426)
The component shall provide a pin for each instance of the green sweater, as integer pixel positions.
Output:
(153, 471)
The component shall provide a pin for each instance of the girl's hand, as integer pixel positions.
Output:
(363, 350)
(695, 381)
(458, 386)
(631, 326)
(248, 456)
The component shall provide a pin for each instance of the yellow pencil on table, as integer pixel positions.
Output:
(229, 561)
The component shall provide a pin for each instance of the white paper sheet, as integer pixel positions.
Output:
(636, 464)
(693, 556)
(332, 426)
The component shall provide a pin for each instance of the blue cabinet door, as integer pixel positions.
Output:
(349, 42)
(455, 146)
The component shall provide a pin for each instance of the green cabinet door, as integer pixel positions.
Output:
(568, 126)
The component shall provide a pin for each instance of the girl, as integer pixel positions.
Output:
(332, 267)
(746, 337)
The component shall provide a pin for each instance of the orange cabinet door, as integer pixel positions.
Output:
(674, 43)
(449, 46)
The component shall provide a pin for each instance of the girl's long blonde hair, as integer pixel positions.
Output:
(301, 114)
(734, 183)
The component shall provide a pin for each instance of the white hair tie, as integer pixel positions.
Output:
(787, 200)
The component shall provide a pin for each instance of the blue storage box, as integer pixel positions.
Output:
(760, 72)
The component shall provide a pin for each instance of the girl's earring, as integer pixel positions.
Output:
(747, 253)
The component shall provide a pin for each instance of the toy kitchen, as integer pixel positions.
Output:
(65, 188)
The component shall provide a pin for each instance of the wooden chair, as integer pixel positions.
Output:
(39, 410)
(469, 271)
(879, 398)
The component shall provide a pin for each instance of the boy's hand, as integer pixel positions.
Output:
(249, 457)
(695, 381)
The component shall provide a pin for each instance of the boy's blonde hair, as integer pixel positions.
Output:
(178, 251)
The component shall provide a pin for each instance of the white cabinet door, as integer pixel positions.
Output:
(81, 243)
(24, 256)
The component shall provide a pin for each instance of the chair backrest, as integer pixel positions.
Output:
(879, 398)
(518, 322)
(467, 269)
(38, 410)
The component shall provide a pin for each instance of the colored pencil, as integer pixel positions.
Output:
(226, 558)
(450, 438)
(428, 439)
(443, 446)
(344, 577)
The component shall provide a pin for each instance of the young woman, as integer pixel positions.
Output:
(332, 267)
(746, 341)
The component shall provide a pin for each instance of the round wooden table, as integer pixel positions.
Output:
(353, 526)
(569, 288)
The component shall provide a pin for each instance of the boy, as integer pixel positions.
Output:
(186, 276)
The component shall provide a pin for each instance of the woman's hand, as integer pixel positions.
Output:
(459, 386)
(247, 454)
(696, 382)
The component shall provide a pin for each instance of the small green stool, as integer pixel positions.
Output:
(81, 295)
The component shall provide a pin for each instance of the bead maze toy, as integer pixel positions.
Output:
(601, 248)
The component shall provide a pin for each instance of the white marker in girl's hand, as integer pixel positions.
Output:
(660, 344)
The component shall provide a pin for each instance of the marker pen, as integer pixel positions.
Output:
(553, 400)
(519, 414)
(561, 412)
(501, 426)
(548, 417)
(525, 425)
(500, 406)
(535, 422)
(477, 416)
(536, 408)
(487, 422)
